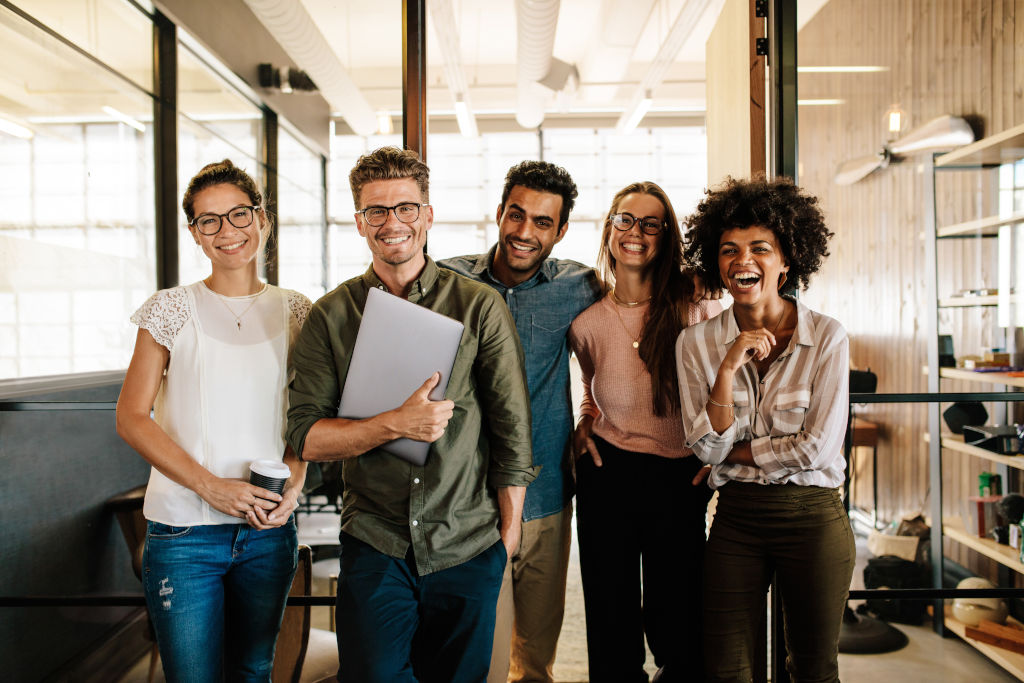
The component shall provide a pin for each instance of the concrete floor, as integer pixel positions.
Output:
(927, 657)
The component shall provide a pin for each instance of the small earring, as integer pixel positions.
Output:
(782, 280)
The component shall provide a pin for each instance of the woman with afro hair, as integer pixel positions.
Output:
(763, 393)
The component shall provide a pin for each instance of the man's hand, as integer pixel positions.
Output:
(702, 474)
(510, 505)
(421, 419)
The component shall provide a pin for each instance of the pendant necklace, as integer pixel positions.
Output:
(636, 339)
(238, 316)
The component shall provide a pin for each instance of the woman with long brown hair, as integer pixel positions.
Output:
(639, 521)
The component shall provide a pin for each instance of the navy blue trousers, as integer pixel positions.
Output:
(394, 625)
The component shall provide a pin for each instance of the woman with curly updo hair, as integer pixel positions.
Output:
(763, 392)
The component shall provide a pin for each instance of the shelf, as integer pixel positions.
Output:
(1008, 659)
(955, 442)
(987, 377)
(965, 301)
(953, 527)
(981, 224)
(995, 149)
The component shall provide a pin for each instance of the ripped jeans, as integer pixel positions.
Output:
(216, 595)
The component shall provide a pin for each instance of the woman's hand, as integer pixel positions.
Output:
(755, 344)
(702, 474)
(262, 519)
(581, 441)
(236, 497)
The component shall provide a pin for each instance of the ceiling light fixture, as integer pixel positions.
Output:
(820, 102)
(895, 120)
(18, 131)
(385, 125)
(124, 118)
(628, 123)
(467, 123)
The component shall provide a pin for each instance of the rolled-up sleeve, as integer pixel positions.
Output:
(824, 422)
(693, 367)
(504, 397)
(314, 391)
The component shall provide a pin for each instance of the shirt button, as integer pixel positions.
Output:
(382, 288)
(416, 480)
(415, 523)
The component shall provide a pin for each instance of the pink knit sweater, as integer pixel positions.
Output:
(616, 384)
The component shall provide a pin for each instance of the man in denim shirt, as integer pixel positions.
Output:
(544, 295)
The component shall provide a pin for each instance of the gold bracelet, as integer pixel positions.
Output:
(720, 405)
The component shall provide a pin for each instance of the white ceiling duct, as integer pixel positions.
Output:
(292, 27)
(536, 22)
(677, 36)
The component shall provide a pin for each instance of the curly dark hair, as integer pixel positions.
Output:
(778, 205)
(542, 176)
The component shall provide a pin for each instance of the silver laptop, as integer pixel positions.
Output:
(398, 347)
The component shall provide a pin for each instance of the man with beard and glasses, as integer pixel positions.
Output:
(544, 295)
(423, 548)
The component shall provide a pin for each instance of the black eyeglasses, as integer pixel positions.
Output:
(211, 223)
(406, 212)
(649, 225)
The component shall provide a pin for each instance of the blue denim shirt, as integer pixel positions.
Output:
(543, 307)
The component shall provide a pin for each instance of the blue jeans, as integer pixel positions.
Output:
(395, 626)
(216, 595)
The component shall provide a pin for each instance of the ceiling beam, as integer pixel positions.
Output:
(678, 34)
(607, 57)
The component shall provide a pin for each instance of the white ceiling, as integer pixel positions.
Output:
(366, 37)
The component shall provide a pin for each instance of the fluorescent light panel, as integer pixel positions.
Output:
(637, 115)
(124, 118)
(820, 103)
(467, 123)
(12, 128)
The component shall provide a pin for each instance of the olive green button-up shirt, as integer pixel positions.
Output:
(447, 509)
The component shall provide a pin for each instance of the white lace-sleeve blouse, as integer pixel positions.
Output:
(223, 397)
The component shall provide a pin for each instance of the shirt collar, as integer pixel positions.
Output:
(420, 286)
(544, 273)
(802, 335)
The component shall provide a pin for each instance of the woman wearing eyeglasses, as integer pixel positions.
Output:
(639, 521)
(211, 360)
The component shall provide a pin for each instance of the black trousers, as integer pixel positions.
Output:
(640, 524)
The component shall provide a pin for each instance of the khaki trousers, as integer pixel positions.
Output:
(532, 602)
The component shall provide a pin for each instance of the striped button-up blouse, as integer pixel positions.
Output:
(794, 417)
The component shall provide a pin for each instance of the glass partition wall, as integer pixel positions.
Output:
(76, 169)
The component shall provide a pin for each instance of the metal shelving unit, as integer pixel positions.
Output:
(986, 154)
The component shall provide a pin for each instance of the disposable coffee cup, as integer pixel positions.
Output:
(269, 474)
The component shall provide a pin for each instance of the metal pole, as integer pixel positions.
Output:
(270, 191)
(165, 149)
(414, 76)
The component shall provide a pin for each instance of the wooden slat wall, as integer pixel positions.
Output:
(963, 57)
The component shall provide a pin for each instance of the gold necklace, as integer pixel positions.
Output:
(238, 316)
(636, 339)
(628, 304)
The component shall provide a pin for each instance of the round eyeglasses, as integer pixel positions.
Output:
(406, 212)
(649, 225)
(211, 223)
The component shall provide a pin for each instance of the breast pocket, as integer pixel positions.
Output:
(789, 410)
(547, 334)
